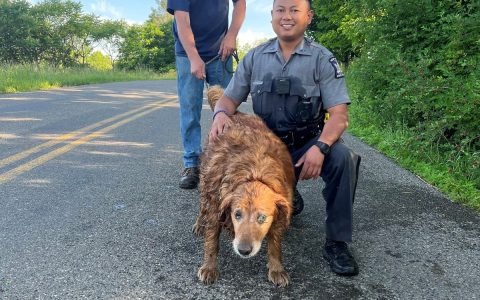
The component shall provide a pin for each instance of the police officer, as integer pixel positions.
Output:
(293, 81)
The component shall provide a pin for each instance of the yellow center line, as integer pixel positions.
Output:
(7, 176)
(16, 157)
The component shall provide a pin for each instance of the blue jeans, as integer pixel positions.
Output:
(190, 94)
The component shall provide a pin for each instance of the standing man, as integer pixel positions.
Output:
(293, 81)
(204, 44)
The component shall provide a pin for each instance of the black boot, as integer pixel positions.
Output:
(297, 203)
(339, 258)
(190, 178)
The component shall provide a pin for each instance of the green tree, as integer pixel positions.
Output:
(65, 32)
(18, 34)
(150, 45)
(98, 61)
(418, 70)
(52, 31)
(160, 46)
(131, 49)
(327, 28)
(160, 15)
(109, 36)
(82, 41)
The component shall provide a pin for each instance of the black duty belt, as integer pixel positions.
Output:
(296, 139)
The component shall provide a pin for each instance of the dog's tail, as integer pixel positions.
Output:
(213, 94)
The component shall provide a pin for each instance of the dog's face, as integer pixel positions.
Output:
(253, 211)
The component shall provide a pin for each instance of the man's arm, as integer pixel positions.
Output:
(336, 125)
(185, 34)
(224, 108)
(229, 42)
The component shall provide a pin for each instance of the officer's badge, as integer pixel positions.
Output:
(336, 67)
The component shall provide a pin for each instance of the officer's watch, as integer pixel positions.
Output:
(324, 148)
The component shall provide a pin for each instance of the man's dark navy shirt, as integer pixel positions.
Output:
(209, 23)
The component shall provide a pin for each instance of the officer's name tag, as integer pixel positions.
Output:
(336, 67)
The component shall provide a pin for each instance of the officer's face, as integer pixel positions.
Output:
(290, 19)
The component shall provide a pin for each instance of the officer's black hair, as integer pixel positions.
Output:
(309, 3)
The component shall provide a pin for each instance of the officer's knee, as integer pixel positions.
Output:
(341, 156)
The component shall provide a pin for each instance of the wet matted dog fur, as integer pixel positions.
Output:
(246, 187)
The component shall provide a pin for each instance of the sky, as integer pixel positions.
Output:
(256, 26)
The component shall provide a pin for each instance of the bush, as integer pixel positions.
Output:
(418, 71)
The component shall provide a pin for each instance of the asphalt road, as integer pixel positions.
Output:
(90, 209)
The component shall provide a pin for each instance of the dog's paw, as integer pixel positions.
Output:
(279, 278)
(207, 275)
(198, 229)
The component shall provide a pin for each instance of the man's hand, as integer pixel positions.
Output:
(312, 162)
(229, 41)
(227, 47)
(185, 33)
(220, 123)
(313, 159)
(197, 67)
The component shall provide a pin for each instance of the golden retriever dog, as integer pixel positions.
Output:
(246, 187)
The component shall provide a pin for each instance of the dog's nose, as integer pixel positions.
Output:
(245, 249)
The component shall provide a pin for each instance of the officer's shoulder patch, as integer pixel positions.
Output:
(336, 67)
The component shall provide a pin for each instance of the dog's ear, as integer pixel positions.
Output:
(284, 212)
(225, 204)
(224, 209)
(224, 215)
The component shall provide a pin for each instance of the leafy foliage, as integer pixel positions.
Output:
(18, 41)
(415, 69)
(109, 37)
(52, 31)
(151, 45)
(148, 46)
(326, 28)
(99, 61)
(58, 33)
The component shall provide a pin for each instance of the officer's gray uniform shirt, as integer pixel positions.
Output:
(312, 69)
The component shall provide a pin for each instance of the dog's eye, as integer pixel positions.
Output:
(261, 219)
(238, 215)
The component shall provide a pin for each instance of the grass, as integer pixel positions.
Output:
(434, 167)
(21, 78)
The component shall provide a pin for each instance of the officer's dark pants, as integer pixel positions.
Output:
(340, 174)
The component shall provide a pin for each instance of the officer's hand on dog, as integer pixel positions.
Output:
(220, 123)
(312, 162)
